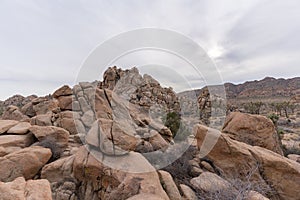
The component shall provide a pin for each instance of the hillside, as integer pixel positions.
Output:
(268, 88)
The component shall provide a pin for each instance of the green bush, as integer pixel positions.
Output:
(172, 121)
(274, 118)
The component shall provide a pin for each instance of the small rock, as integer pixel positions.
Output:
(188, 193)
(210, 182)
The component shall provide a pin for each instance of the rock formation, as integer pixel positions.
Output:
(107, 140)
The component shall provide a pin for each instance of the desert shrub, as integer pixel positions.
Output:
(172, 121)
(253, 107)
(55, 148)
(274, 118)
(1, 111)
(280, 133)
(241, 186)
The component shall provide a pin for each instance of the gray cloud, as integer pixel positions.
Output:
(43, 43)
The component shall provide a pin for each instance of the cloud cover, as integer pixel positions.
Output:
(43, 43)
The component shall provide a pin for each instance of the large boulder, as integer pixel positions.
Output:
(63, 91)
(59, 135)
(233, 159)
(42, 120)
(58, 170)
(123, 178)
(26, 162)
(19, 189)
(255, 130)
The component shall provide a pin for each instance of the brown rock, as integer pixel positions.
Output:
(60, 135)
(255, 130)
(16, 140)
(158, 142)
(26, 162)
(44, 105)
(19, 189)
(102, 107)
(20, 128)
(210, 182)
(71, 122)
(38, 189)
(235, 159)
(14, 113)
(90, 167)
(42, 120)
(145, 197)
(253, 195)
(65, 102)
(169, 185)
(294, 157)
(5, 125)
(188, 193)
(63, 91)
(58, 170)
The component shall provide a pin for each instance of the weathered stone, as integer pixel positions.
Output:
(188, 193)
(26, 162)
(210, 182)
(255, 130)
(169, 185)
(294, 157)
(121, 179)
(60, 135)
(14, 113)
(16, 140)
(19, 189)
(65, 102)
(20, 128)
(42, 120)
(158, 142)
(63, 91)
(232, 158)
(5, 125)
(88, 118)
(58, 170)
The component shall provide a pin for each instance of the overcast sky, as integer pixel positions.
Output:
(43, 43)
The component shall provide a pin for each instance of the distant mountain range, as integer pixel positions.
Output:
(266, 88)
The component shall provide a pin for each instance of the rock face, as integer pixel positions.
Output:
(26, 162)
(269, 169)
(255, 130)
(95, 177)
(19, 189)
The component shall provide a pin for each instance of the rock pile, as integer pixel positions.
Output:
(93, 141)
